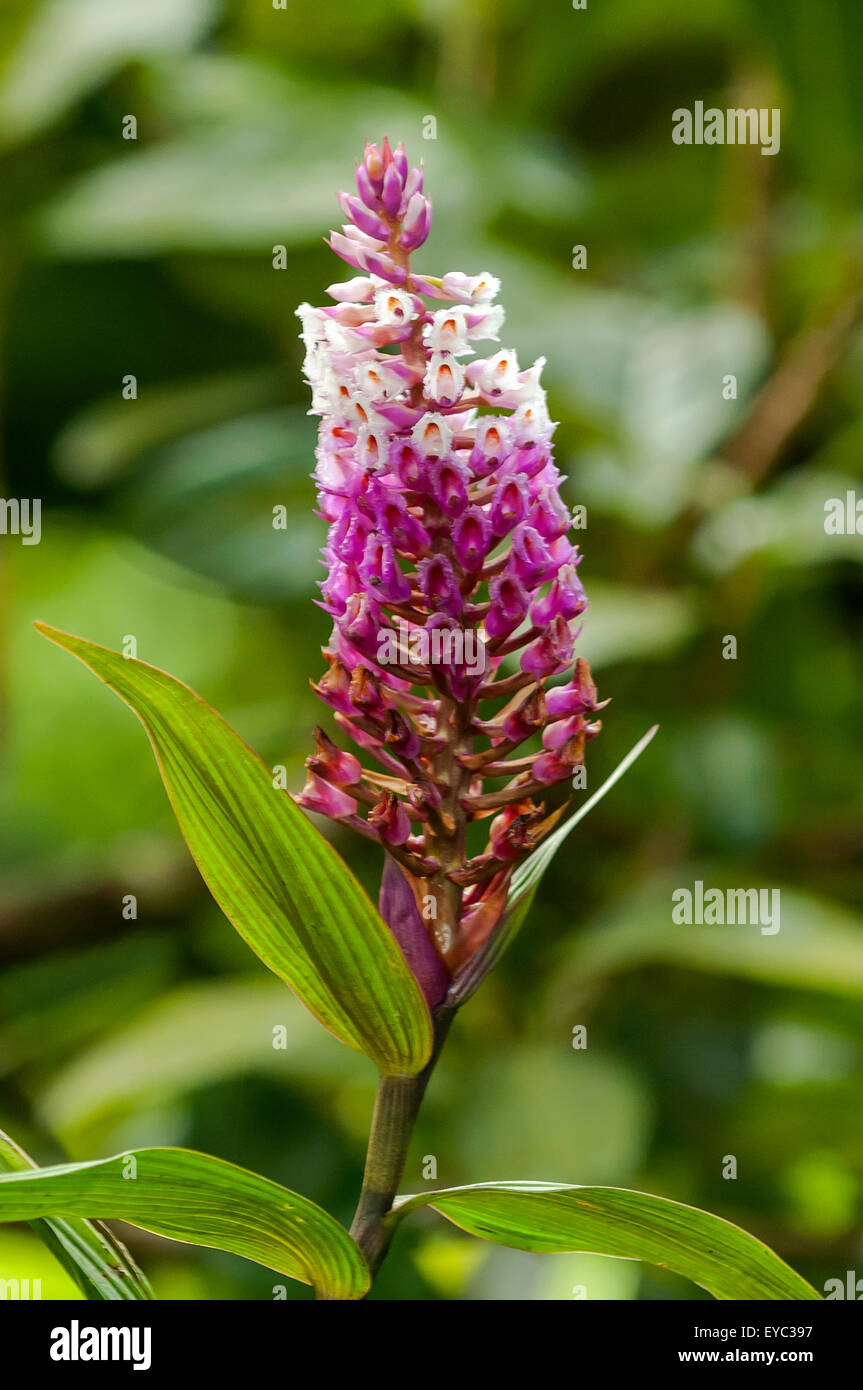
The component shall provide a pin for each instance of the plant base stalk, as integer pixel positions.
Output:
(396, 1108)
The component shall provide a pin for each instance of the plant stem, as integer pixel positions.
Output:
(396, 1108)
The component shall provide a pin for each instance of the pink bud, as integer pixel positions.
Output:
(490, 444)
(439, 585)
(348, 536)
(405, 531)
(578, 696)
(526, 719)
(448, 485)
(390, 819)
(550, 653)
(555, 735)
(400, 162)
(356, 291)
(531, 558)
(321, 796)
(366, 189)
(471, 537)
(509, 504)
(407, 465)
(391, 193)
(361, 217)
(548, 514)
(566, 597)
(330, 763)
(416, 223)
(509, 603)
(413, 184)
(374, 167)
(557, 765)
(362, 620)
(380, 569)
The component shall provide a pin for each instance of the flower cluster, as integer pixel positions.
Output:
(451, 581)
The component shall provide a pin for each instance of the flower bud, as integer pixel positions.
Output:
(550, 653)
(576, 697)
(472, 289)
(444, 379)
(439, 586)
(531, 558)
(363, 218)
(390, 819)
(557, 765)
(471, 537)
(509, 504)
(323, 797)
(333, 765)
(380, 569)
(509, 603)
(565, 598)
(548, 515)
(417, 223)
(447, 484)
(526, 719)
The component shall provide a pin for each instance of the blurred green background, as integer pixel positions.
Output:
(705, 519)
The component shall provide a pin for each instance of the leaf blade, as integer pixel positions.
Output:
(100, 1264)
(200, 1200)
(276, 878)
(556, 1217)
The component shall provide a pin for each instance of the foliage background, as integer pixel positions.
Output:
(705, 519)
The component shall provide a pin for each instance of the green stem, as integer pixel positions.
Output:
(397, 1105)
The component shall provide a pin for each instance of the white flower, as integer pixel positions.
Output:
(473, 289)
(531, 420)
(444, 379)
(333, 469)
(487, 322)
(448, 331)
(492, 436)
(378, 381)
(345, 340)
(432, 435)
(372, 448)
(314, 323)
(394, 306)
(495, 376)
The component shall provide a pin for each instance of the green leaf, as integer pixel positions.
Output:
(526, 880)
(554, 1217)
(201, 1200)
(276, 878)
(100, 1265)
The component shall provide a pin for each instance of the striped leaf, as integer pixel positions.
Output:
(100, 1265)
(201, 1200)
(554, 1217)
(276, 878)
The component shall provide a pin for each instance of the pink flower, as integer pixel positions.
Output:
(447, 556)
